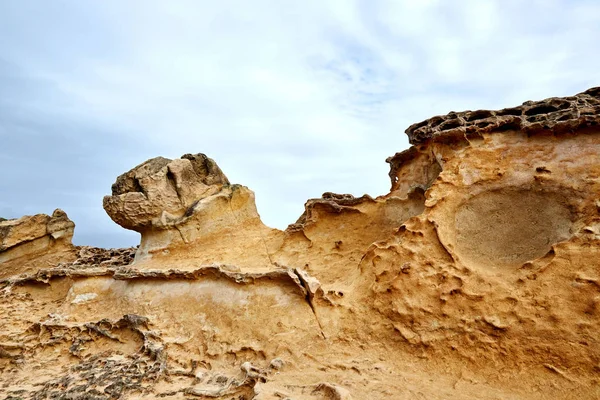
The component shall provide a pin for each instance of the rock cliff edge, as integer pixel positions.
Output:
(476, 277)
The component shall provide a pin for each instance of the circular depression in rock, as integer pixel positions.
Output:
(509, 227)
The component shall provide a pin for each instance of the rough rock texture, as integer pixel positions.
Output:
(31, 241)
(476, 277)
(176, 202)
(555, 115)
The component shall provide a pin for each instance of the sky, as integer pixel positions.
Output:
(291, 98)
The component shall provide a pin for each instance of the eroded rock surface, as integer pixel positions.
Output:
(175, 202)
(476, 277)
(30, 241)
(556, 115)
(161, 193)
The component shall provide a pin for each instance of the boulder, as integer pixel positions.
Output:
(174, 203)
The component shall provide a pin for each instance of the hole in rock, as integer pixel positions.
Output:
(435, 121)
(541, 109)
(516, 111)
(509, 126)
(450, 124)
(479, 114)
(566, 117)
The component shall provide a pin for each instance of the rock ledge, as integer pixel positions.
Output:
(554, 115)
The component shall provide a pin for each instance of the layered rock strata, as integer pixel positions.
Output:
(31, 241)
(476, 277)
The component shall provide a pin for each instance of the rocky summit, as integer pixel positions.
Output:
(476, 277)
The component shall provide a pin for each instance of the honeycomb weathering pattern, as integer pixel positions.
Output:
(476, 277)
(555, 114)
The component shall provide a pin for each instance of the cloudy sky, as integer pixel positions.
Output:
(291, 98)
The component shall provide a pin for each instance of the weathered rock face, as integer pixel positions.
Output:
(556, 115)
(161, 193)
(511, 233)
(476, 277)
(36, 239)
(175, 202)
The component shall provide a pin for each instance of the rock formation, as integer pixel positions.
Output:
(476, 277)
(173, 203)
(29, 242)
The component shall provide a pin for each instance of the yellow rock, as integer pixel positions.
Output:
(476, 277)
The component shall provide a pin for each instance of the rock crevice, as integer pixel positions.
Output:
(480, 268)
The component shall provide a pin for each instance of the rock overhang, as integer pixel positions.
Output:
(557, 115)
(484, 255)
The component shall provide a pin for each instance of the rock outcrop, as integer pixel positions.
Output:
(476, 277)
(173, 203)
(30, 241)
(556, 115)
(162, 193)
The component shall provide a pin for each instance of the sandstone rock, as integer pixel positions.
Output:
(160, 193)
(26, 229)
(552, 116)
(34, 239)
(504, 228)
(175, 202)
(476, 277)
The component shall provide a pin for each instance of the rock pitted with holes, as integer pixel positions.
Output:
(554, 115)
(476, 277)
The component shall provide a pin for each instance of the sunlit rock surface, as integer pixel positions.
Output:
(476, 277)
(30, 242)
